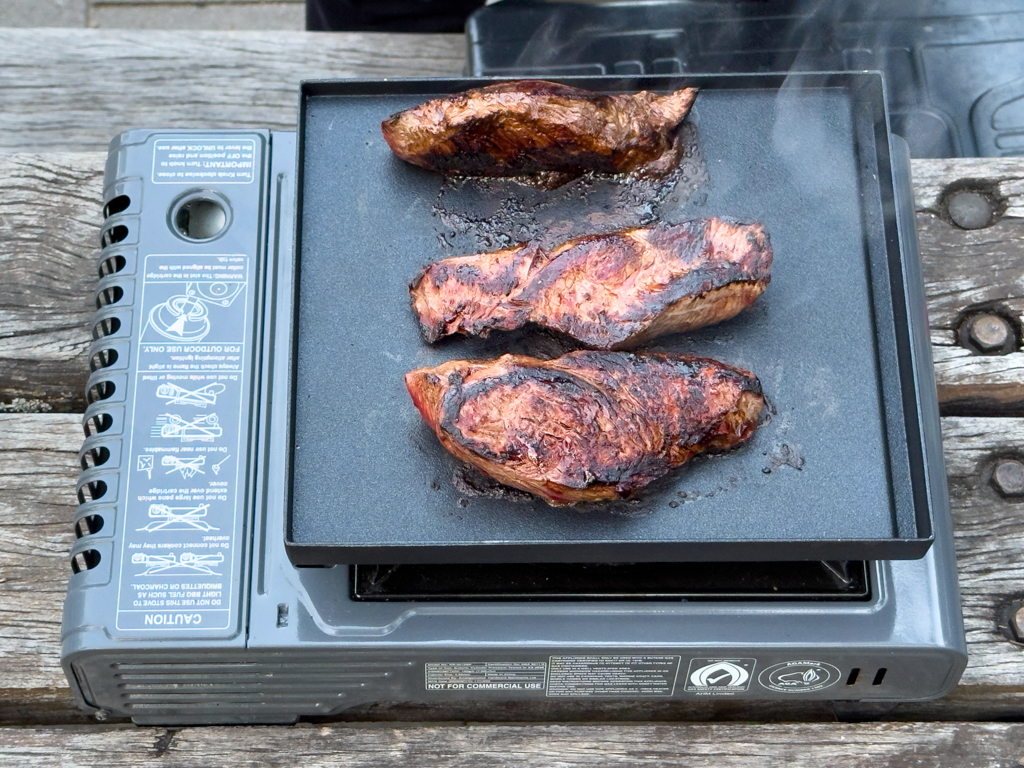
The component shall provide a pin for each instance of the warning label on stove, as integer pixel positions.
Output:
(618, 676)
(184, 479)
(192, 159)
(486, 676)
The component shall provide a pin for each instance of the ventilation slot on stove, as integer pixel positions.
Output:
(95, 457)
(242, 687)
(112, 265)
(97, 423)
(879, 676)
(101, 390)
(92, 491)
(854, 674)
(118, 205)
(115, 234)
(106, 327)
(104, 358)
(85, 561)
(109, 296)
(88, 525)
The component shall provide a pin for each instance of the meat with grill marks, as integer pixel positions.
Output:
(588, 426)
(609, 291)
(531, 127)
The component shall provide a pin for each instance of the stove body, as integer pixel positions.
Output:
(189, 609)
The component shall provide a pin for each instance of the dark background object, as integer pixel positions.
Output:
(389, 15)
(954, 69)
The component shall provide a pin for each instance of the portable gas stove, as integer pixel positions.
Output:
(267, 531)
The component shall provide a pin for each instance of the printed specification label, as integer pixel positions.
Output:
(619, 676)
(184, 476)
(189, 160)
(486, 676)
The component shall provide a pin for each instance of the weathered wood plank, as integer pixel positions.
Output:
(37, 500)
(172, 14)
(49, 238)
(989, 541)
(39, 453)
(959, 745)
(967, 269)
(49, 219)
(73, 89)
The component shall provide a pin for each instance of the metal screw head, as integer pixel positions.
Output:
(1017, 624)
(990, 332)
(970, 210)
(102, 715)
(1008, 478)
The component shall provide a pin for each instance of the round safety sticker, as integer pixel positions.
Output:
(799, 676)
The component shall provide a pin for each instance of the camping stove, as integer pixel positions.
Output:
(267, 532)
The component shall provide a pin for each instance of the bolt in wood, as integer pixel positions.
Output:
(970, 210)
(990, 332)
(1008, 477)
(1017, 624)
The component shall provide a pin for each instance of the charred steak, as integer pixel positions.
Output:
(608, 291)
(528, 127)
(587, 426)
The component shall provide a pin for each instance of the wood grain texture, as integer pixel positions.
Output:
(989, 541)
(49, 240)
(72, 90)
(965, 270)
(39, 452)
(941, 745)
(198, 15)
(49, 225)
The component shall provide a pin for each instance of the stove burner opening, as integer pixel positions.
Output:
(749, 581)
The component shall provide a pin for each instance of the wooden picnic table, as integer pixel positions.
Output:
(65, 92)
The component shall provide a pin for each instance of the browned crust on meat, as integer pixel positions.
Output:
(589, 426)
(609, 291)
(527, 127)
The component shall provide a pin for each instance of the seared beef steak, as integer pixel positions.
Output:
(608, 291)
(529, 127)
(587, 426)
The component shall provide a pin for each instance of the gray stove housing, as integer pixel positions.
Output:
(297, 645)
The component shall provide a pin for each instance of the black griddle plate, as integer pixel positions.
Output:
(838, 472)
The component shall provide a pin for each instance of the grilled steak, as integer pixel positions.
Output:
(532, 127)
(608, 291)
(587, 426)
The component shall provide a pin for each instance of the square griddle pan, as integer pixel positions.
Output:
(848, 464)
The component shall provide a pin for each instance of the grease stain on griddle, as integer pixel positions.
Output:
(784, 456)
(470, 481)
(485, 214)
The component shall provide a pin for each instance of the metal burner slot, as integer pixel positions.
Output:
(614, 581)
